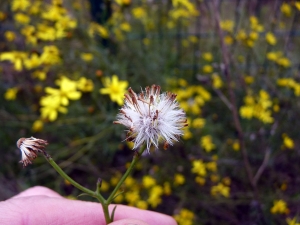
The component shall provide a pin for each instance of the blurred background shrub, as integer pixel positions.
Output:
(234, 65)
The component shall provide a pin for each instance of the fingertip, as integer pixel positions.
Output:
(129, 222)
(38, 190)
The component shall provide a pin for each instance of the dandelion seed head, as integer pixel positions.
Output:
(151, 116)
(29, 148)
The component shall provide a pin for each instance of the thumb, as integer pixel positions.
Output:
(129, 222)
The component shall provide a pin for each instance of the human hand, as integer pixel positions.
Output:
(40, 205)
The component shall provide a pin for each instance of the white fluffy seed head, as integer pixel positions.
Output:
(151, 117)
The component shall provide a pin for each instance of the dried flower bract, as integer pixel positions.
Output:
(151, 117)
(29, 148)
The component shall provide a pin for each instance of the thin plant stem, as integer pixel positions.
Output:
(128, 171)
(94, 194)
(237, 123)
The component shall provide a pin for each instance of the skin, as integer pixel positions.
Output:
(40, 205)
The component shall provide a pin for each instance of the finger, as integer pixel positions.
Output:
(129, 222)
(38, 190)
(149, 217)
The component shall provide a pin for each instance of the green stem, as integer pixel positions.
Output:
(128, 171)
(85, 190)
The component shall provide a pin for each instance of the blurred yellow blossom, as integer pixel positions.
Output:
(216, 81)
(21, 18)
(96, 28)
(228, 40)
(198, 123)
(15, 57)
(227, 25)
(236, 145)
(287, 141)
(207, 56)
(21, 5)
(270, 38)
(279, 207)
(37, 126)
(114, 88)
(220, 190)
(40, 74)
(286, 9)
(185, 217)
(207, 69)
(10, 35)
(212, 166)
(207, 144)
(148, 181)
(139, 12)
(198, 167)
(87, 57)
(85, 85)
(179, 179)
(293, 221)
(2, 16)
(11, 93)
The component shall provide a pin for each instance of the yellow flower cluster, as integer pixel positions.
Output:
(289, 83)
(279, 59)
(142, 194)
(249, 39)
(279, 207)
(184, 217)
(293, 221)
(201, 169)
(258, 107)
(54, 21)
(191, 98)
(56, 100)
(182, 10)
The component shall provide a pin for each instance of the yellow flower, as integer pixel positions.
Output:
(11, 93)
(185, 217)
(207, 69)
(50, 55)
(179, 179)
(290, 221)
(198, 123)
(236, 145)
(141, 204)
(85, 85)
(67, 91)
(207, 56)
(279, 207)
(51, 106)
(287, 141)
(22, 18)
(114, 88)
(32, 62)
(212, 166)
(200, 180)
(286, 9)
(148, 181)
(9, 35)
(20, 5)
(138, 12)
(216, 81)
(297, 5)
(96, 28)
(249, 79)
(87, 57)
(125, 27)
(15, 57)
(2, 16)
(220, 189)
(40, 74)
(284, 62)
(198, 167)
(228, 40)
(227, 25)
(37, 126)
(270, 38)
(207, 144)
